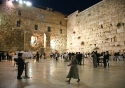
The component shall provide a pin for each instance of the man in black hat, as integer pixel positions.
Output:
(20, 66)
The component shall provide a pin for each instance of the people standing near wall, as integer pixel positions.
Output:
(117, 54)
(44, 55)
(69, 56)
(79, 58)
(7, 56)
(37, 57)
(65, 57)
(123, 55)
(98, 59)
(15, 59)
(73, 72)
(2, 55)
(20, 66)
(10, 56)
(51, 55)
(106, 59)
(40, 56)
(94, 59)
(56, 56)
(62, 55)
(107, 56)
(83, 57)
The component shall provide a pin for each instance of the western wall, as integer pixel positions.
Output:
(101, 27)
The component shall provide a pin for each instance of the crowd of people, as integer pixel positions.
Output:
(95, 57)
(74, 59)
(19, 59)
(27, 55)
(5, 55)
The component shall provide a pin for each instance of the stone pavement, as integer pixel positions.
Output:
(49, 73)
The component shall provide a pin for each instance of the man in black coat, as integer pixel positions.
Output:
(20, 66)
(79, 58)
(37, 57)
(98, 59)
(105, 59)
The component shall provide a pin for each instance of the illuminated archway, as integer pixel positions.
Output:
(34, 41)
(37, 40)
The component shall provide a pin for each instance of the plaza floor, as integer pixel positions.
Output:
(48, 73)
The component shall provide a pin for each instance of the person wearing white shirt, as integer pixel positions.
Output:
(15, 59)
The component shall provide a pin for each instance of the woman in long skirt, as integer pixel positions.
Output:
(73, 72)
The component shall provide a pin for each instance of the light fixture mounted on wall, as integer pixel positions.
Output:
(23, 2)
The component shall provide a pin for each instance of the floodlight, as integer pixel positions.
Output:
(28, 3)
(24, 2)
(20, 2)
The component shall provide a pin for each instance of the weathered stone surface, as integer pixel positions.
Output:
(102, 24)
(13, 38)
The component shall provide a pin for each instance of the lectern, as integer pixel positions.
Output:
(26, 71)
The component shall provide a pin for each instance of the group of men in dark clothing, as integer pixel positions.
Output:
(79, 57)
(5, 55)
(117, 54)
(96, 58)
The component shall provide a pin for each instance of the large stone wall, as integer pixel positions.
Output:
(31, 16)
(100, 27)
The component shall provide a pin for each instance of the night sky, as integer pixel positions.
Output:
(65, 6)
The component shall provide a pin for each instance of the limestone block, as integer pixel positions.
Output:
(99, 41)
(120, 30)
(110, 36)
(122, 43)
(114, 32)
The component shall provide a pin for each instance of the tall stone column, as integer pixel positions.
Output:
(47, 48)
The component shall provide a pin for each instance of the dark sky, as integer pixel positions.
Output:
(65, 6)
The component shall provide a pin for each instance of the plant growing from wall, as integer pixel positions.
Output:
(89, 14)
(118, 45)
(107, 39)
(82, 43)
(79, 37)
(101, 26)
(90, 44)
(74, 32)
(96, 48)
(119, 24)
(123, 24)
(110, 24)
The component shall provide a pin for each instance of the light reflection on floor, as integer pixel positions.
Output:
(49, 73)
